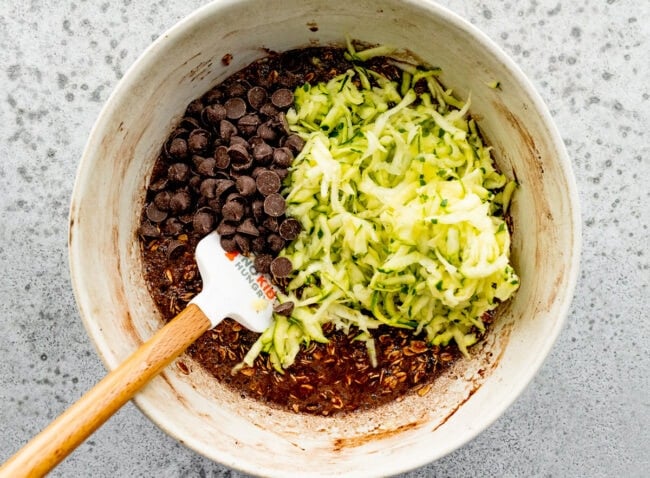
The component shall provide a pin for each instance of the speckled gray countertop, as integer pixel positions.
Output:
(587, 413)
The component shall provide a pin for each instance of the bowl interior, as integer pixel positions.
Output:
(119, 313)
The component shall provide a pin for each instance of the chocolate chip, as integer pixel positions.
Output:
(161, 200)
(282, 98)
(226, 229)
(198, 140)
(148, 230)
(268, 182)
(256, 97)
(175, 249)
(203, 222)
(154, 214)
(158, 185)
(212, 96)
(213, 114)
(289, 229)
(266, 132)
(243, 243)
(285, 309)
(228, 244)
(180, 201)
(235, 108)
(236, 89)
(271, 224)
(236, 168)
(246, 185)
(178, 172)
(238, 153)
(222, 159)
(236, 139)
(254, 141)
(178, 148)
(208, 188)
(223, 185)
(248, 227)
(196, 160)
(180, 134)
(232, 211)
(207, 167)
(282, 157)
(172, 226)
(281, 267)
(226, 130)
(274, 205)
(275, 242)
(294, 142)
(262, 153)
(258, 244)
(282, 123)
(248, 124)
(262, 263)
(269, 110)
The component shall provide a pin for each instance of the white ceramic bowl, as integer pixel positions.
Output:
(119, 313)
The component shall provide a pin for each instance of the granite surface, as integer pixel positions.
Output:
(587, 411)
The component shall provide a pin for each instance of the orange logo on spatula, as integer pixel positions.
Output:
(231, 255)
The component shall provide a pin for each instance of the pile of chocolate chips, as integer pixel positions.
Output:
(222, 168)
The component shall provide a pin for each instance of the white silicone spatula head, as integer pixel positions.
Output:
(232, 287)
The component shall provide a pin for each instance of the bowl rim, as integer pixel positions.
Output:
(185, 24)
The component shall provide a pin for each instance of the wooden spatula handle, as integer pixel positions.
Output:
(79, 421)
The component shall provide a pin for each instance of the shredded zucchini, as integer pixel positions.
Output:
(402, 213)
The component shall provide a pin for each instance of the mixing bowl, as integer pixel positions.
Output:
(245, 434)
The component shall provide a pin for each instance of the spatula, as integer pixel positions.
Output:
(231, 288)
